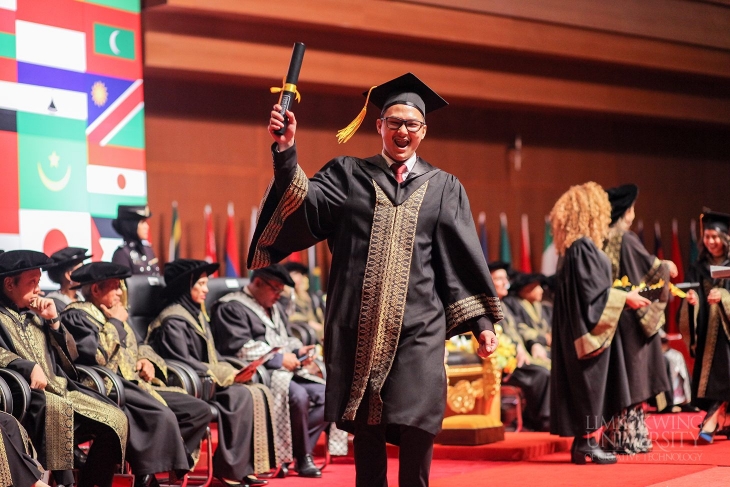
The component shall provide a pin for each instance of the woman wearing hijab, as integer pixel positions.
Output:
(136, 252)
(705, 322)
(585, 372)
(65, 261)
(182, 332)
(640, 342)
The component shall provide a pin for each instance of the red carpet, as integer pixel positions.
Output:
(542, 459)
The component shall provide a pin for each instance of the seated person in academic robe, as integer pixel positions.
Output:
(679, 377)
(136, 252)
(308, 307)
(65, 262)
(181, 332)
(165, 424)
(533, 316)
(531, 377)
(588, 373)
(34, 343)
(17, 467)
(248, 324)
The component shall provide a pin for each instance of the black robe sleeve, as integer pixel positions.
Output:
(463, 281)
(86, 335)
(174, 341)
(231, 327)
(311, 208)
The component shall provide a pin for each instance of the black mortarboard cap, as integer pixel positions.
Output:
(182, 274)
(14, 262)
(133, 212)
(69, 256)
(276, 272)
(714, 220)
(524, 279)
(499, 265)
(98, 272)
(403, 90)
(621, 198)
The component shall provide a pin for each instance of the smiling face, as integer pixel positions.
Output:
(401, 144)
(713, 242)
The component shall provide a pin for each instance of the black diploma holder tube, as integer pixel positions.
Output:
(289, 90)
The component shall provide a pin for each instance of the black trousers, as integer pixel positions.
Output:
(101, 463)
(306, 409)
(371, 459)
(193, 417)
(534, 381)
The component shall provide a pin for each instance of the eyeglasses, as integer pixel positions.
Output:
(394, 123)
(276, 289)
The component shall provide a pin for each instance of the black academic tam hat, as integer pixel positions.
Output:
(621, 198)
(523, 279)
(297, 267)
(97, 272)
(133, 212)
(69, 256)
(497, 265)
(714, 220)
(14, 262)
(276, 272)
(406, 89)
(181, 274)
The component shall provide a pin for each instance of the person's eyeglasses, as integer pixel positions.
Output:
(276, 289)
(394, 123)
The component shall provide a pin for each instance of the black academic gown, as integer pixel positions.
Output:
(17, 467)
(588, 377)
(534, 320)
(139, 257)
(707, 327)
(407, 272)
(645, 366)
(93, 415)
(175, 338)
(152, 423)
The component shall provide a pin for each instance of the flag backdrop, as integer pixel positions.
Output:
(549, 262)
(525, 259)
(674, 301)
(505, 252)
(71, 122)
(233, 268)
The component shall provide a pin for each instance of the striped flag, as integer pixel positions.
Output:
(315, 272)
(549, 255)
(525, 259)
(658, 250)
(482, 219)
(8, 65)
(233, 266)
(173, 249)
(505, 252)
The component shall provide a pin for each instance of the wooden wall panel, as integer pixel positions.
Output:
(207, 143)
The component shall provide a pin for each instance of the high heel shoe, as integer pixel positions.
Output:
(706, 437)
(588, 447)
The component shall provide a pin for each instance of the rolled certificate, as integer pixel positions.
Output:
(289, 90)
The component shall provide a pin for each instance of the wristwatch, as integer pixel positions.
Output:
(53, 321)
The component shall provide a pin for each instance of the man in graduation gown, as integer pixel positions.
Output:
(641, 344)
(34, 343)
(407, 272)
(534, 316)
(532, 375)
(248, 324)
(65, 261)
(165, 424)
(17, 466)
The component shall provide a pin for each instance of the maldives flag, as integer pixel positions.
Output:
(113, 42)
(525, 260)
(505, 253)
(658, 250)
(232, 262)
(211, 255)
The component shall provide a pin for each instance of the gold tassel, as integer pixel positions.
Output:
(346, 133)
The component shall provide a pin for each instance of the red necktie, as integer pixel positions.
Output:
(398, 168)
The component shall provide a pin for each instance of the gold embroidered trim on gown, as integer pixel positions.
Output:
(385, 286)
(472, 307)
(601, 336)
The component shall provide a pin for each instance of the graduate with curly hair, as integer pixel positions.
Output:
(585, 374)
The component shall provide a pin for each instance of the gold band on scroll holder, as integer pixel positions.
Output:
(290, 87)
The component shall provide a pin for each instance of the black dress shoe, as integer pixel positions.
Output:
(251, 480)
(283, 471)
(588, 447)
(307, 468)
(148, 480)
(230, 483)
(79, 458)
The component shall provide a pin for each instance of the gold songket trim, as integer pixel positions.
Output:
(599, 338)
(383, 301)
(473, 307)
(612, 248)
(290, 201)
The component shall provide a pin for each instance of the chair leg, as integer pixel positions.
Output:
(208, 479)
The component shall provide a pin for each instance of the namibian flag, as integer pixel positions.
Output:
(232, 263)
